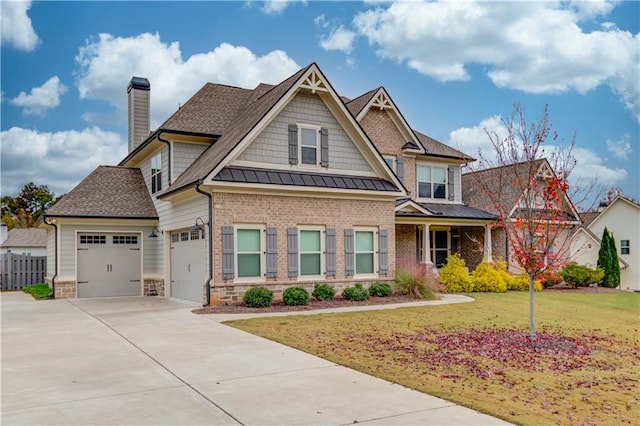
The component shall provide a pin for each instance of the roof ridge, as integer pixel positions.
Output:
(504, 166)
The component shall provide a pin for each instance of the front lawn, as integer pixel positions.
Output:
(583, 369)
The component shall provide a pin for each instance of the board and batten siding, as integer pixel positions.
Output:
(271, 146)
(184, 154)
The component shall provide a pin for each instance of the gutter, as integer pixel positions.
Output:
(210, 277)
(52, 222)
(169, 160)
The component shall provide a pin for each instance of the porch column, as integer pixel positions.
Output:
(426, 247)
(487, 244)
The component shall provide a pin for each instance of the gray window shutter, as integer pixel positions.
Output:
(383, 250)
(227, 253)
(330, 247)
(292, 251)
(272, 252)
(450, 183)
(293, 144)
(349, 268)
(400, 169)
(324, 147)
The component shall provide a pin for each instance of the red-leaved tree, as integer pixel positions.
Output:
(524, 182)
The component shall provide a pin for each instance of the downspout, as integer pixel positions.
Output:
(168, 157)
(52, 222)
(208, 283)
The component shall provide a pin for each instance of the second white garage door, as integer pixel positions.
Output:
(187, 265)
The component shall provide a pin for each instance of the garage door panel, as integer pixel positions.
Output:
(187, 265)
(109, 265)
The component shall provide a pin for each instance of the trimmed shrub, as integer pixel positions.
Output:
(454, 276)
(581, 276)
(323, 291)
(258, 297)
(380, 289)
(414, 284)
(355, 293)
(489, 278)
(295, 296)
(521, 283)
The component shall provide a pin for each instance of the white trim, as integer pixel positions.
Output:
(262, 253)
(322, 253)
(374, 231)
(432, 199)
(318, 148)
(417, 207)
(394, 161)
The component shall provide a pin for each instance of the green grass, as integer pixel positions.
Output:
(600, 386)
(38, 291)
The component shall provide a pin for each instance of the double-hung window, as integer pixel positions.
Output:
(309, 144)
(365, 252)
(431, 181)
(249, 252)
(156, 173)
(625, 247)
(391, 161)
(311, 252)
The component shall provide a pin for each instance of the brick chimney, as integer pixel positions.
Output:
(138, 96)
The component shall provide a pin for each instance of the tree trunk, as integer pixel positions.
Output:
(532, 313)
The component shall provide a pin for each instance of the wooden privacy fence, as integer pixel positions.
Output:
(18, 271)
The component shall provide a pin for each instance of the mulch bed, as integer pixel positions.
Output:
(279, 306)
(339, 302)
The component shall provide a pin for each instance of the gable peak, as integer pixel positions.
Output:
(382, 101)
(314, 82)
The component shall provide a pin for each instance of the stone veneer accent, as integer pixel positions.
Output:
(64, 289)
(153, 285)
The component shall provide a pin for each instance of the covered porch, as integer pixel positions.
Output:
(427, 234)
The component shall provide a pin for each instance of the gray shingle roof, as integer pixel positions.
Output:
(256, 106)
(318, 180)
(26, 237)
(114, 192)
(457, 211)
(434, 147)
(355, 105)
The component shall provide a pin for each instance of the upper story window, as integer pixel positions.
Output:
(625, 247)
(156, 173)
(391, 161)
(308, 145)
(431, 181)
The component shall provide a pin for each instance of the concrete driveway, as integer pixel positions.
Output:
(146, 360)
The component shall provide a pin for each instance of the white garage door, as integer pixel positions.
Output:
(109, 265)
(187, 265)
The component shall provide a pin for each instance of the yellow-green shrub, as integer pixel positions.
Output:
(488, 278)
(454, 276)
(521, 283)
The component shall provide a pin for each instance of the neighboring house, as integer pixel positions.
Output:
(280, 185)
(25, 241)
(508, 184)
(622, 218)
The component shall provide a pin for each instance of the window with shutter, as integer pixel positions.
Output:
(348, 252)
(293, 144)
(250, 253)
(227, 252)
(272, 252)
(331, 252)
(311, 247)
(400, 169)
(383, 251)
(450, 182)
(292, 252)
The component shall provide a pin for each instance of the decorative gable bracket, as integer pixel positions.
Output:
(382, 102)
(314, 82)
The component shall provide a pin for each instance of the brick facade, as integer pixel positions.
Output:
(283, 212)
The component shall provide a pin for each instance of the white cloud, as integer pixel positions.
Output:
(15, 25)
(107, 64)
(535, 47)
(620, 148)
(61, 158)
(275, 7)
(41, 98)
(589, 167)
(320, 21)
(339, 39)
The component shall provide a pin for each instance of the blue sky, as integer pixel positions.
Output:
(452, 68)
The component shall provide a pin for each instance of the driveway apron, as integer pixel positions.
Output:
(146, 360)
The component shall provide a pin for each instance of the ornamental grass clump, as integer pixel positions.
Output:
(414, 284)
(454, 276)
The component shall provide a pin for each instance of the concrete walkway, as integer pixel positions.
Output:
(146, 360)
